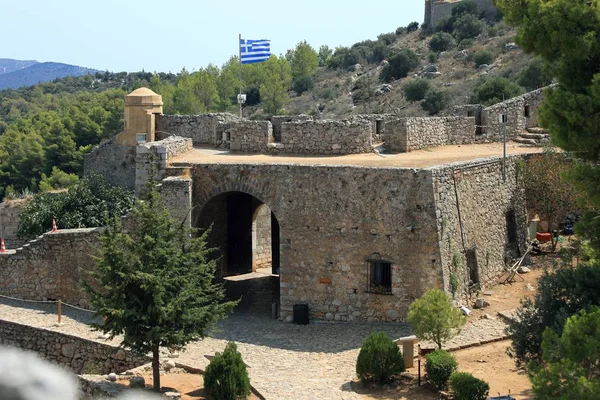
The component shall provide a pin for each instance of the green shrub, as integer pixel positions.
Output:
(379, 359)
(467, 26)
(226, 377)
(58, 180)
(535, 75)
(464, 7)
(413, 26)
(90, 203)
(432, 57)
(466, 387)
(401, 30)
(465, 43)
(441, 41)
(399, 65)
(416, 89)
(495, 90)
(387, 38)
(439, 366)
(434, 101)
(483, 57)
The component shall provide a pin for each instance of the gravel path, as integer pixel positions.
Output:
(315, 361)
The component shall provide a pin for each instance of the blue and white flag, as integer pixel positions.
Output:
(254, 51)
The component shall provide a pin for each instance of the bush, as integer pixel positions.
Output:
(387, 38)
(432, 57)
(415, 90)
(535, 75)
(464, 7)
(483, 57)
(401, 30)
(303, 83)
(413, 26)
(90, 203)
(439, 366)
(226, 377)
(441, 41)
(466, 387)
(495, 90)
(435, 101)
(467, 26)
(57, 180)
(379, 359)
(445, 25)
(399, 65)
(465, 43)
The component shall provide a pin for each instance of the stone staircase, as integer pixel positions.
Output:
(534, 137)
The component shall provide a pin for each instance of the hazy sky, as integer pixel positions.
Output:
(131, 35)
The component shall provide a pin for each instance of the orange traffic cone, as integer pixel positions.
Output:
(2, 246)
(54, 227)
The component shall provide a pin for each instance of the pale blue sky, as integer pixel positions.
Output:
(131, 35)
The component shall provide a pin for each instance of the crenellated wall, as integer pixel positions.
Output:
(205, 129)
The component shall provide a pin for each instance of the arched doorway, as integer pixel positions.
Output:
(245, 233)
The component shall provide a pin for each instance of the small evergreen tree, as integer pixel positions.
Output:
(483, 57)
(416, 89)
(226, 377)
(379, 359)
(434, 101)
(466, 387)
(399, 65)
(433, 317)
(155, 285)
(441, 41)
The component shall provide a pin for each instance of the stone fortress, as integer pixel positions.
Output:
(437, 10)
(356, 217)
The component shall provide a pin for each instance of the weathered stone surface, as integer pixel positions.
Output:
(481, 303)
(408, 134)
(202, 129)
(137, 382)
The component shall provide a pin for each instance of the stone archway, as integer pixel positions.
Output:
(245, 233)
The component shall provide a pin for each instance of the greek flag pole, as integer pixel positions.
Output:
(241, 98)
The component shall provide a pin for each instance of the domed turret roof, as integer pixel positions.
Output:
(143, 97)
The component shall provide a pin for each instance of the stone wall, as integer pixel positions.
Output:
(116, 162)
(78, 354)
(50, 267)
(176, 192)
(261, 238)
(436, 10)
(156, 155)
(379, 121)
(249, 136)
(473, 206)
(202, 129)
(277, 120)
(522, 113)
(326, 137)
(331, 221)
(408, 134)
(10, 211)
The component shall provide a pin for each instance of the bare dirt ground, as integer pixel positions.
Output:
(414, 159)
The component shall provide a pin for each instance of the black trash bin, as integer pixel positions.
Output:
(301, 314)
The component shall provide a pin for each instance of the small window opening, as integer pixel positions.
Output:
(470, 113)
(511, 227)
(527, 112)
(378, 127)
(140, 138)
(380, 276)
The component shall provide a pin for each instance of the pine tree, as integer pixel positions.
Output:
(154, 285)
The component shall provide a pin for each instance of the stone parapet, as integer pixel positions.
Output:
(408, 134)
(249, 136)
(205, 129)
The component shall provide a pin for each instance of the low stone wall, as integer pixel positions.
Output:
(326, 137)
(10, 211)
(78, 354)
(202, 129)
(50, 267)
(278, 120)
(521, 111)
(408, 134)
(116, 162)
(379, 121)
(250, 136)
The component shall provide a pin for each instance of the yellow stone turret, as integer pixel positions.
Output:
(141, 107)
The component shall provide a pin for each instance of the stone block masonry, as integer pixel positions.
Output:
(206, 129)
(116, 162)
(78, 354)
(249, 136)
(10, 211)
(326, 137)
(50, 267)
(408, 134)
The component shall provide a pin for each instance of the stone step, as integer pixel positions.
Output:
(531, 142)
(536, 136)
(536, 129)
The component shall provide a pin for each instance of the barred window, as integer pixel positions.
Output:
(379, 275)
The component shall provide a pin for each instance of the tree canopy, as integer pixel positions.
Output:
(155, 285)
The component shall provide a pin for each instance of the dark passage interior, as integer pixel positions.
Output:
(244, 230)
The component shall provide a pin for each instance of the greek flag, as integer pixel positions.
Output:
(254, 51)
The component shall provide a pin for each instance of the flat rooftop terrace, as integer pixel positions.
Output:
(415, 159)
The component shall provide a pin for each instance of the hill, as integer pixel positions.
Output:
(9, 65)
(37, 72)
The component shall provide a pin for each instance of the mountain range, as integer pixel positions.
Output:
(18, 73)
